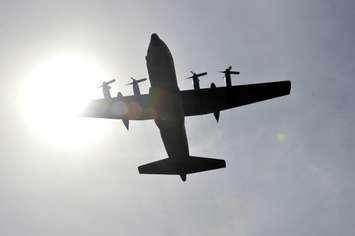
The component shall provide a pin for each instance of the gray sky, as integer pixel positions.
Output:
(290, 174)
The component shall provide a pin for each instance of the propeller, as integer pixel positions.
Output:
(229, 71)
(195, 75)
(105, 84)
(195, 78)
(227, 75)
(134, 81)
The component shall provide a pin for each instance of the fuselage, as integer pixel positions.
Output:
(164, 91)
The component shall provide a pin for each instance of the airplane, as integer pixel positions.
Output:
(168, 106)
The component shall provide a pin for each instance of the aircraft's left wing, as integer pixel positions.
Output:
(212, 100)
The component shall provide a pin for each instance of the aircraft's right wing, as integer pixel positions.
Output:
(212, 100)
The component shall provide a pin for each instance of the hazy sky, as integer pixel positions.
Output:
(290, 161)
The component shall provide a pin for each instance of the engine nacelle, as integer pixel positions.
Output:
(216, 113)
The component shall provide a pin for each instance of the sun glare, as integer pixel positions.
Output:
(53, 95)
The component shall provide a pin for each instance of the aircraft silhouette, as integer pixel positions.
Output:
(168, 106)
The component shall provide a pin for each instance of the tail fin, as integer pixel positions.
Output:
(181, 166)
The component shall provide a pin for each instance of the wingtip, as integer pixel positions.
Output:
(289, 85)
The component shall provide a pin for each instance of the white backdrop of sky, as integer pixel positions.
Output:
(290, 161)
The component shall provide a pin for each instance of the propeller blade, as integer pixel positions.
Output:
(106, 83)
(235, 72)
(196, 75)
(136, 81)
(141, 80)
(111, 81)
(202, 74)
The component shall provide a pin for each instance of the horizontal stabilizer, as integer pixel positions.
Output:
(180, 166)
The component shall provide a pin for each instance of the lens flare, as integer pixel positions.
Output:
(281, 137)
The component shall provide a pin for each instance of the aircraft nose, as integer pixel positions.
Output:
(154, 39)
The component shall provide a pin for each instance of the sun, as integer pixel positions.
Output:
(53, 95)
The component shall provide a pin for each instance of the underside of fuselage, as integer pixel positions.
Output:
(170, 117)
(168, 107)
(169, 111)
